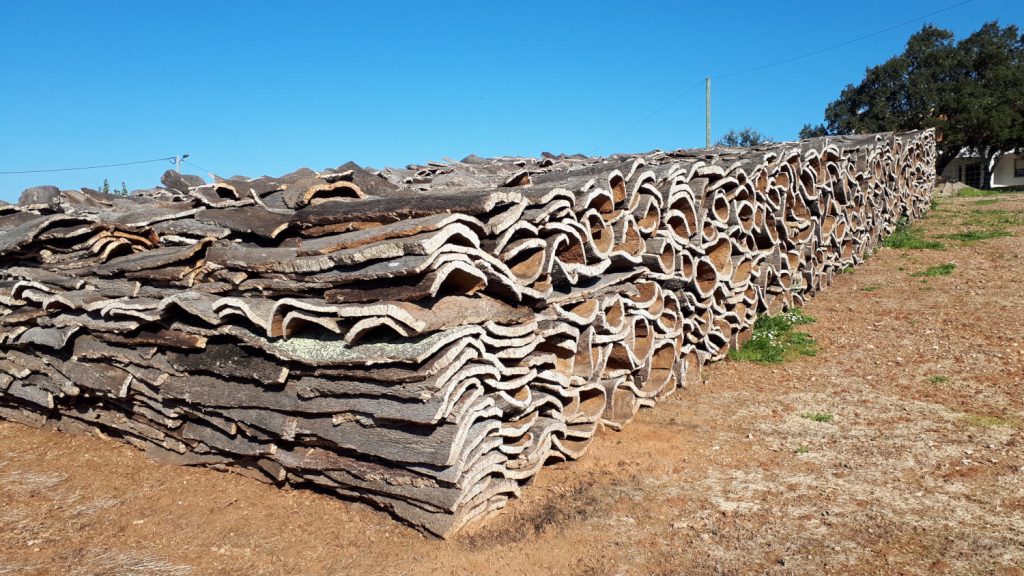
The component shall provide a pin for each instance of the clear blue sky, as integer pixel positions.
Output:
(265, 87)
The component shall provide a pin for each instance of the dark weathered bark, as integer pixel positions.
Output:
(989, 157)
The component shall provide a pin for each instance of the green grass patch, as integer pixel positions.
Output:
(989, 421)
(970, 192)
(907, 237)
(940, 270)
(824, 417)
(847, 270)
(870, 288)
(987, 201)
(994, 218)
(802, 450)
(774, 339)
(978, 235)
(986, 225)
(938, 379)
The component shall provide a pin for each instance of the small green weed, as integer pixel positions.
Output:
(847, 270)
(802, 450)
(938, 379)
(774, 339)
(907, 237)
(870, 288)
(987, 201)
(940, 270)
(824, 417)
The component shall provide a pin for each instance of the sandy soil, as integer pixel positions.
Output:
(921, 471)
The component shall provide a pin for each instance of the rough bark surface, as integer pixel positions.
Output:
(424, 339)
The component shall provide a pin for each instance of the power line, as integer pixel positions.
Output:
(846, 43)
(779, 63)
(169, 158)
(649, 116)
(191, 163)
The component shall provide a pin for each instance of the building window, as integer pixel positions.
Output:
(1018, 167)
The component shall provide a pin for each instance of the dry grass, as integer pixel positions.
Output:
(111, 563)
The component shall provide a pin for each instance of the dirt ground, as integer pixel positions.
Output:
(920, 471)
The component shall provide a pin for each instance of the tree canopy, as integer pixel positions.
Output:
(743, 139)
(809, 131)
(971, 92)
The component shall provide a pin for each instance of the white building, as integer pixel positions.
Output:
(1008, 170)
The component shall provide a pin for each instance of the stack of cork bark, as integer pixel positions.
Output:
(423, 339)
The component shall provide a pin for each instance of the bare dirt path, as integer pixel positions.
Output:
(919, 471)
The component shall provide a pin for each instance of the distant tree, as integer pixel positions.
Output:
(971, 92)
(743, 139)
(809, 131)
(985, 111)
(106, 189)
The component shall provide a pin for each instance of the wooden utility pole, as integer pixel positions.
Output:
(707, 112)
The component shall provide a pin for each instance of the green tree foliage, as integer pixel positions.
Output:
(809, 131)
(988, 113)
(971, 92)
(743, 139)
